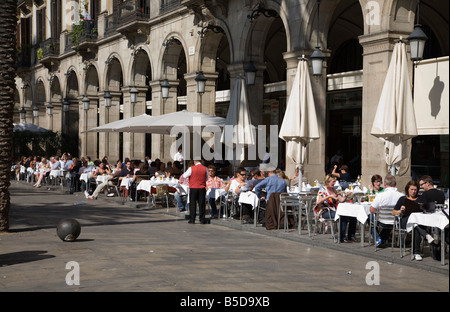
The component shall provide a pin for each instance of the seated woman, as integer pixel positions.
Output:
(376, 185)
(143, 172)
(326, 204)
(42, 171)
(404, 207)
(236, 186)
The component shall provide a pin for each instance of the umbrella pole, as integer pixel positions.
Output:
(300, 179)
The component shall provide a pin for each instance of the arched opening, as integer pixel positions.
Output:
(70, 118)
(344, 102)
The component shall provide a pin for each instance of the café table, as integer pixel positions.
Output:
(85, 176)
(360, 211)
(216, 192)
(437, 219)
(102, 178)
(57, 174)
(126, 182)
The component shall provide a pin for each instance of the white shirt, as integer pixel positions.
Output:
(178, 157)
(389, 197)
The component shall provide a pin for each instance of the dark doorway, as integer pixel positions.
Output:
(343, 128)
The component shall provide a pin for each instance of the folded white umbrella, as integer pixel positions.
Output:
(300, 126)
(238, 116)
(395, 120)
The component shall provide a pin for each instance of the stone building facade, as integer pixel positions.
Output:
(66, 55)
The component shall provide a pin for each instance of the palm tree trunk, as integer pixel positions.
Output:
(8, 55)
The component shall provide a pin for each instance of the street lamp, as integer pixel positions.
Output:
(417, 39)
(250, 73)
(35, 111)
(165, 87)
(85, 102)
(23, 113)
(317, 56)
(201, 82)
(49, 109)
(66, 104)
(107, 96)
(133, 95)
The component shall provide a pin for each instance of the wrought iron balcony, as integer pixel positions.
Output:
(130, 11)
(169, 5)
(48, 52)
(132, 20)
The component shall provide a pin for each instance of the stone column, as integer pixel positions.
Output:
(109, 141)
(161, 143)
(134, 143)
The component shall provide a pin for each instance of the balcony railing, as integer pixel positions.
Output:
(50, 47)
(169, 5)
(110, 24)
(131, 11)
(84, 32)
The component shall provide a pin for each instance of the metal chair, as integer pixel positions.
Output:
(162, 191)
(383, 218)
(289, 206)
(258, 209)
(307, 203)
(138, 180)
(329, 220)
(227, 202)
(402, 233)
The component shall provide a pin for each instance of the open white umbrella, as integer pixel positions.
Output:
(300, 126)
(395, 120)
(123, 125)
(26, 126)
(182, 121)
(238, 118)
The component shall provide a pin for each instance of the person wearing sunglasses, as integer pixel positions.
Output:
(429, 195)
(376, 185)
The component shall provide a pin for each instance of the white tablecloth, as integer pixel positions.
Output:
(85, 176)
(102, 178)
(437, 219)
(55, 173)
(126, 182)
(215, 192)
(249, 198)
(360, 211)
(147, 184)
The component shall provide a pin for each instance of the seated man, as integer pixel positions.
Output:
(431, 195)
(181, 194)
(126, 172)
(212, 184)
(272, 184)
(387, 198)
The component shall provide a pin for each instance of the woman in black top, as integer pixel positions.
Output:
(409, 200)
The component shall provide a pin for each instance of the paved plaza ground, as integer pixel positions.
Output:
(133, 248)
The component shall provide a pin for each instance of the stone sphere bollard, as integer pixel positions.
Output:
(68, 230)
